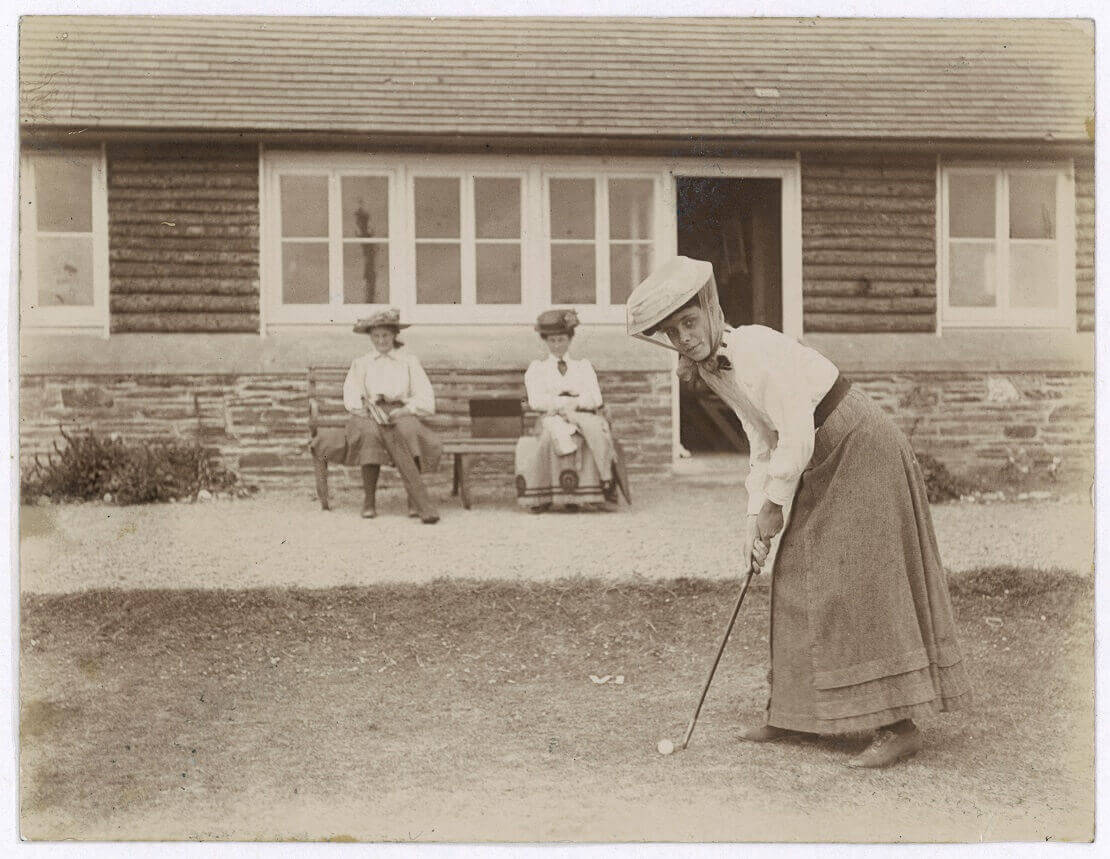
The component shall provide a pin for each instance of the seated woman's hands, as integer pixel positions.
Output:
(565, 405)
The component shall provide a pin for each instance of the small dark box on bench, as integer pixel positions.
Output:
(496, 418)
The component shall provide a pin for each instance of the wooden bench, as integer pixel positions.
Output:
(495, 421)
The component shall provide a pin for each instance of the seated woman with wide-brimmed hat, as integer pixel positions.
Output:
(387, 394)
(572, 460)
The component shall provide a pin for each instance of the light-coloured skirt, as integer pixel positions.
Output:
(862, 630)
(544, 477)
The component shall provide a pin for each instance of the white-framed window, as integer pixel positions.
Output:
(454, 238)
(334, 245)
(1006, 254)
(601, 236)
(64, 241)
(468, 243)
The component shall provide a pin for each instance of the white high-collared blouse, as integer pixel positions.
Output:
(395, 376)
(778, 383)
(549, 390)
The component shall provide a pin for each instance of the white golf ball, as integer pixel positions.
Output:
(665, 747)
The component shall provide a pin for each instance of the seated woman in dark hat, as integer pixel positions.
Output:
(387, 393)
(572, 460)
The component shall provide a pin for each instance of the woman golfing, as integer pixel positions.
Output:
(862, 632)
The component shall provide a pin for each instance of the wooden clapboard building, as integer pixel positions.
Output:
(207, 204)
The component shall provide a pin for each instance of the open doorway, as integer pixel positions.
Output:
(736, 224)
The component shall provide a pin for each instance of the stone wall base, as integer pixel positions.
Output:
(970, 421)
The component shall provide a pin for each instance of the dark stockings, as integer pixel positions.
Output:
(370, 485)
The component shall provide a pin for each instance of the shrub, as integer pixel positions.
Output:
(940, 483)
(88, 467)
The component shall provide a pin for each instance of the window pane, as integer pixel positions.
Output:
(971, 205)
(63, 195)
(628, 265)
(572, 208)
(365, 273)
(437, 208)
(1033, 273)
(573, 277)
(497, 208)
(438, 274)
(1032, 206)
(498, 274)
(365, 206)
(630, 208)
(304, 273)
(971, 270)
(65, 271)
(304, 206)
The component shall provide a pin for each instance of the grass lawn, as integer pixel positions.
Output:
(465, 711)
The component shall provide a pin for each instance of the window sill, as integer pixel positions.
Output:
(995, 350)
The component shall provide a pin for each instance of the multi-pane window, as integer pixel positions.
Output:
(613, 215)
(497, 240)
(365, 205)
(573, 240)
(1008, 254)
(334, 229)
(631, 235)
(63, 223)
(437, 205)
(467, 236)
(452, 239)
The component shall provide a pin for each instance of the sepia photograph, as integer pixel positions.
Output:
(553, 428)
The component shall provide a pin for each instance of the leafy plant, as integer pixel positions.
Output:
(88, 467)
(940, 483)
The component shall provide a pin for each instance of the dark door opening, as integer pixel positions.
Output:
(736, 224)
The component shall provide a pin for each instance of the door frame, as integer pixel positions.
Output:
(789, 172)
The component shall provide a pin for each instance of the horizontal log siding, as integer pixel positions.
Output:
(869, 244)
(1085, 244)
(183, 238)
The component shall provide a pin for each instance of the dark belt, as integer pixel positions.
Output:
(831, 400)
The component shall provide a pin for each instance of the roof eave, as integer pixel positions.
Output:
(564, 143)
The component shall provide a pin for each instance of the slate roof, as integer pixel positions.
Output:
(770, 78)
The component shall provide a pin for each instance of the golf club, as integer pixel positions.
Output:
(665, 747)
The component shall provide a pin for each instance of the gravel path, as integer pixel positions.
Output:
(284, 539)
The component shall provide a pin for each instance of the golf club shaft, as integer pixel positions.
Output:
(717, 658)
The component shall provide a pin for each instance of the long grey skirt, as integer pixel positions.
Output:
(862, 630)
(360, 443)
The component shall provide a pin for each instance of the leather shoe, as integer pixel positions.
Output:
(430, 519)
(888, 748)
(368, 511)
(767, 734)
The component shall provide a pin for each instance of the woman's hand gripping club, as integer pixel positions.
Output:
(757, 541)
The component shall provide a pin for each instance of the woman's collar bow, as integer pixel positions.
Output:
(718, 362)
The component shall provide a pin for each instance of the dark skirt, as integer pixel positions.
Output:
(862, 631)
(361, 443)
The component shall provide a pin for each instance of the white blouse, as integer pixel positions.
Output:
(776, 383)
(396, 376)
(549, 390)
